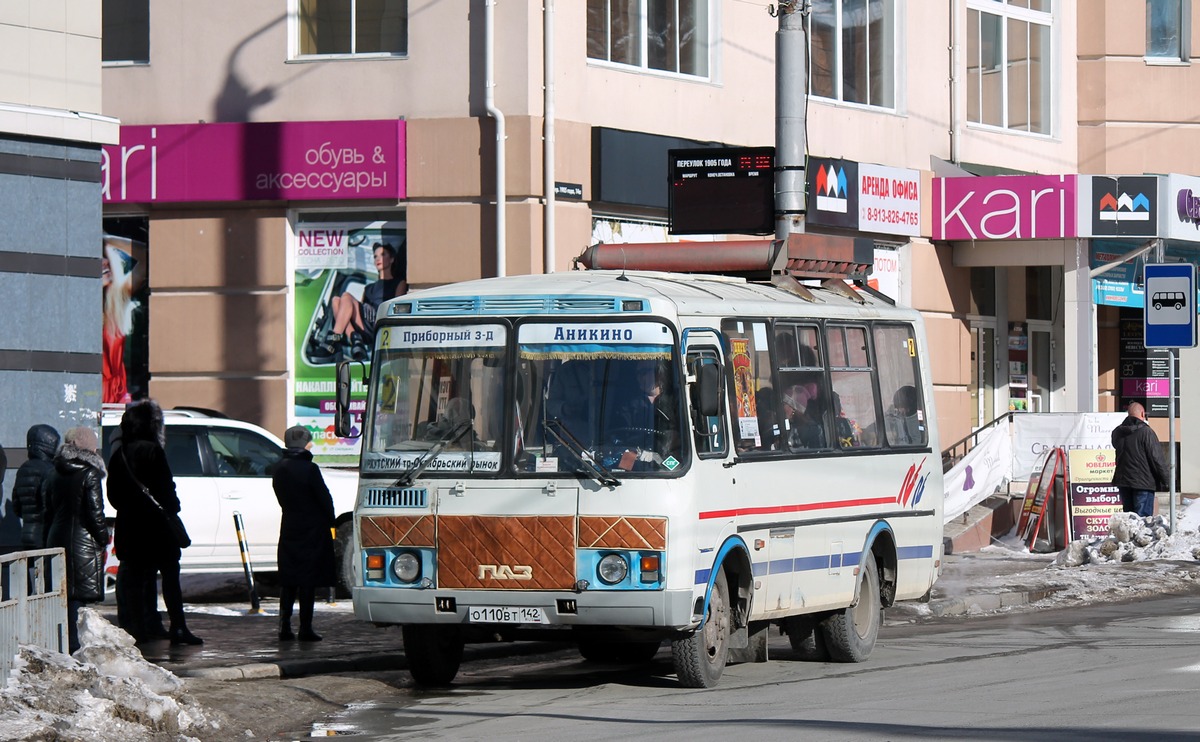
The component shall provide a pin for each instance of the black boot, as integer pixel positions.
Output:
(285, 628)
(287, 599)
(307, 595)
(181, 635)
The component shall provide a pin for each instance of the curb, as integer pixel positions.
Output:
(972, 604)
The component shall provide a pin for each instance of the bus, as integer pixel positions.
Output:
(620, 459)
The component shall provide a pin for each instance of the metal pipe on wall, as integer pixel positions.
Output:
(548, 248)
(489, 65)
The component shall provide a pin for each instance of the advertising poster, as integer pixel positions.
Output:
(124, 271)
(1093, 499)
(343, 272)
(1144, 374)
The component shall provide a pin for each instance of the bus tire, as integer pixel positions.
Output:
(343, 558)
(700, 657)
(806, 638)
(618, 652)
(434, 653)
(850, 633)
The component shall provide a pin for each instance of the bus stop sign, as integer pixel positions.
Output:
(1170, 314)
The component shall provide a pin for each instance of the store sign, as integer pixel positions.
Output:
(288, 160)
(1118, 206)
(1093, 498)
(1004, 207)
(832, 187)
(889, 200)
(1181, 217)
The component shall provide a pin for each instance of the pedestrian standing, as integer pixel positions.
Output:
(142, 489)
(1140, 470)
(75, 521)
(41, 442)
(305, 533)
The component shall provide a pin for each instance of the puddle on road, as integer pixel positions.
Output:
(372, 720)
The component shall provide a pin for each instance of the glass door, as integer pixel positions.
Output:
(983, 376)
(1041, 367)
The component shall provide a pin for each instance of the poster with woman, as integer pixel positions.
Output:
(344, 271)
(124, 270)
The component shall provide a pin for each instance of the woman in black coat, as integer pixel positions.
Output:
(75, 521)
(305, 535)
(142, 540)
(41, 443)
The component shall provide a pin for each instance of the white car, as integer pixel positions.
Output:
(221, 467)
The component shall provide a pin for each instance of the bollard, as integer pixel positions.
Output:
(249, 570)
(332, 600)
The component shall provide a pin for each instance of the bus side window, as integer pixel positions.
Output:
(905, 421)
(853, 399)
(708, 430)
(749, 366)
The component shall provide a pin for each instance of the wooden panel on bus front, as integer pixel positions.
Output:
(396, 530)
(622, 532)
(546, 544)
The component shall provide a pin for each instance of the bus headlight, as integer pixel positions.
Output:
(406, 567)
(612, 569)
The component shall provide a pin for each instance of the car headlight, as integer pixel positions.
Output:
(612, 569)
(406, 567)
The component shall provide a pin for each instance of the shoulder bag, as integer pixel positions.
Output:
(174, 522)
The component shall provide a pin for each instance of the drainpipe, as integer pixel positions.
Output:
(489, 63)
(548, 133)
(953, 82)
(791, 107)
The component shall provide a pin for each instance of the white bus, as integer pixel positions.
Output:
(619, 459)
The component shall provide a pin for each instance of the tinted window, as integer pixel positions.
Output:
(240, 453)
(183, 453)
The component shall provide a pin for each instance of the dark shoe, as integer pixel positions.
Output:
(159, 632)
(308, 635)
(183, 636)
(286, 635)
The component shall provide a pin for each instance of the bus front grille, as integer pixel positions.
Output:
(506, 552)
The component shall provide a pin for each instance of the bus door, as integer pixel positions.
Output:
(707, 409)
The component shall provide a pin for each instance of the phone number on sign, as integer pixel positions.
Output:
(889, 216)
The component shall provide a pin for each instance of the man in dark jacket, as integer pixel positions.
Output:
(305, 535)
(75, 521)
(42, 443)
(1140, 467)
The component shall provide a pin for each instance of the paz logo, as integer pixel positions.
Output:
(831, 189)
(1124, 208)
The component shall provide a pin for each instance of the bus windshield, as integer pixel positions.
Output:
(437, 392)
(597, 396)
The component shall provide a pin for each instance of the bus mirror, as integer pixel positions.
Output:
(341, 415)
(709, 384)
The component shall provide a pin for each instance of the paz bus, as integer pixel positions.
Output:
(621, 458)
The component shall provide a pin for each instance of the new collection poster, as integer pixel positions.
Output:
(343, 273)
(124, 273)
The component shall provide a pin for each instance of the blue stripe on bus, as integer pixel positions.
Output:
(814, 563)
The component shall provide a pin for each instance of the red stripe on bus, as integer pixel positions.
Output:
(796, 508)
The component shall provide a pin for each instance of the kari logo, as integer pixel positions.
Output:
(831, 188)
(1124, 207)
(913, 487)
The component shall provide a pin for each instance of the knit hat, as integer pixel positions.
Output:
(297, 436)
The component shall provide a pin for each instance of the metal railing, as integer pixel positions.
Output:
(960, 448)
(33, 602)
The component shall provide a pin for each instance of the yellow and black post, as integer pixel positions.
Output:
(245, 548)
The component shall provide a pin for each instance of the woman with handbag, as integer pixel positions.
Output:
(148, 535)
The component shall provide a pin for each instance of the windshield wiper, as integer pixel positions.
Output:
(414, 470)
(555, 428)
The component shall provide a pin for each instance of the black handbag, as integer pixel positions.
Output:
(174, 523)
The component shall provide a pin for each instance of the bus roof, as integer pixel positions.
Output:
(668, 294)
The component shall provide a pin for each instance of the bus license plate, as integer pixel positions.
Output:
(506, 614)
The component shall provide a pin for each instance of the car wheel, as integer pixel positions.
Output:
(344, 555)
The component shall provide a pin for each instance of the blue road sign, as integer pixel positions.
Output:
(1170, 305)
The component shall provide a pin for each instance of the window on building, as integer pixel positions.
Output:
(351, 27)
(125, 25)
(1167, 24)
(663, 35)
(853, 51)
(1009, 64)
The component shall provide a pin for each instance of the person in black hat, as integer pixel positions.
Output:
(305, 533)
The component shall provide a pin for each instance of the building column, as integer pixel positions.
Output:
(1081, 385)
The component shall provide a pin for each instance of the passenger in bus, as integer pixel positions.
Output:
(903, 425)
(645, 419)
(804, 407)
(768, 420)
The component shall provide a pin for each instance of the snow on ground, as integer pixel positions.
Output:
(104, 691)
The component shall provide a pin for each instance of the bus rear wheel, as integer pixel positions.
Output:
(434, 653)
(701, 656)
(850, 633)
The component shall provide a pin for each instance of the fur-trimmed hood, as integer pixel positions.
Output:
(143, 421)
(71, 459)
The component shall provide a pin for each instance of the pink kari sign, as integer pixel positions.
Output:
(1004, 207)
(289, 160)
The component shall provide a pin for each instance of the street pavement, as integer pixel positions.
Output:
(239, 644)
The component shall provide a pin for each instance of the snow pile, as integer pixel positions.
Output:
(106, 691)
(1132, 538)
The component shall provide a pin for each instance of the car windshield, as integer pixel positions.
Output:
(597, 399)
(438, 393)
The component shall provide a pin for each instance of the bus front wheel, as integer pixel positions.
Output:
(434, 653)
(850, 633)
(700, 657)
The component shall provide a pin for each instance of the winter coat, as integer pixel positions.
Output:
(305, 541)
(41, 443)
(141, 534)
(1140, 463)
(75, 520)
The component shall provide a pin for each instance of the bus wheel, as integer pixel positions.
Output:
(700, 657)
(343, 559)
(434, 653)
(850, 633)
(617, 652)
(807, 640)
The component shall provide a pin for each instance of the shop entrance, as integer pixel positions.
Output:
(983, 374)
(1041, 365)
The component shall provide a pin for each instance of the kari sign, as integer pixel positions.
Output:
(1004, 207)
(289, 160)
(889, 200)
